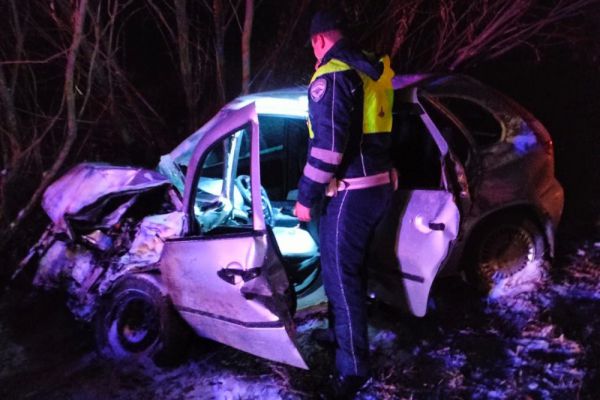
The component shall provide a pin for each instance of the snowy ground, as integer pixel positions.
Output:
(537, 345)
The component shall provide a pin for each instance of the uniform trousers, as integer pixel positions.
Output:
(346, 227)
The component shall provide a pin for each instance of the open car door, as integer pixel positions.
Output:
(411, 245)
(223, 275)
(413, 241)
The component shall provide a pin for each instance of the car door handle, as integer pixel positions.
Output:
(426, 228)
(229, 274)
(437, 226)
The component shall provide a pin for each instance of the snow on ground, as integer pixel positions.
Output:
(543, 344)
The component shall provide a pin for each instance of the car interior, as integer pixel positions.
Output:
(416, 156)
(283, 148)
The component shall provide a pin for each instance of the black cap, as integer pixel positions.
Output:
(324, 21)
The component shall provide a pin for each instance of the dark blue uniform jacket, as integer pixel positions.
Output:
(339, 147)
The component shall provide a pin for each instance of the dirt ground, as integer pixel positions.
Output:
(543, 344)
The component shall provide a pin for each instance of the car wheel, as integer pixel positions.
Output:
(507, 256)
(135, 320)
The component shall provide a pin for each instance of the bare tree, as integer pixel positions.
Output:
(41, 135)
(220, 30)
(10, 143)
(78, 18)
(185, 62)
(452, 35)
(283, 44)
(246, 35)
(190, 43)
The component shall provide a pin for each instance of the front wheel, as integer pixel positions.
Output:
(507, 255)
(135, 320)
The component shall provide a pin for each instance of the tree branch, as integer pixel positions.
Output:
(44, 61)
(246, 36)
(10, 152)
(78, 21)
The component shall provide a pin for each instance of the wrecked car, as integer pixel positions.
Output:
(209, 237)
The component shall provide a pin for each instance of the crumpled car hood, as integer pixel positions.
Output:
(88, 185)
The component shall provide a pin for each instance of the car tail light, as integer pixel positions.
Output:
(549, 147)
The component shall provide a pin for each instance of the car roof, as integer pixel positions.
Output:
(292, 102)
(288, 102)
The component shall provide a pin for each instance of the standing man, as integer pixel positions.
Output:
(350, 123)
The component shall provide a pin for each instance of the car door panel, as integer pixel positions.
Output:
(410, 245)
(230, 286)
(429, 225)
(414, 240)
(240, 312)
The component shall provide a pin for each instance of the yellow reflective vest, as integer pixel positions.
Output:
(378, 95)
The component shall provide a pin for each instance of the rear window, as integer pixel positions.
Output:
(482, 125)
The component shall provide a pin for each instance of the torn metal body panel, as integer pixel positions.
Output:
(146, 248)
(72, 269)
(148, 244)
(94, 237)
(85, 192)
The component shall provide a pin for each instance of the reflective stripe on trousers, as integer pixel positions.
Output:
(346, 227)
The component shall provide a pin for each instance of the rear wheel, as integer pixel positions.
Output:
(507, 255)
(135, 320)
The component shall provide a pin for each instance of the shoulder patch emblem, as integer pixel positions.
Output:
(318, 89)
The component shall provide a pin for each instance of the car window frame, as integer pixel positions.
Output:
(243, 118)
(474, 148)
(476, 102)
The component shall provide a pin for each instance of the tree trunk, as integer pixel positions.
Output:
(219, 49)
(185, 65)
(48, 176)
(10, 143)
(246, 36)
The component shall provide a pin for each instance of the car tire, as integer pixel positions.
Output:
(135, 320)
(507, 255)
